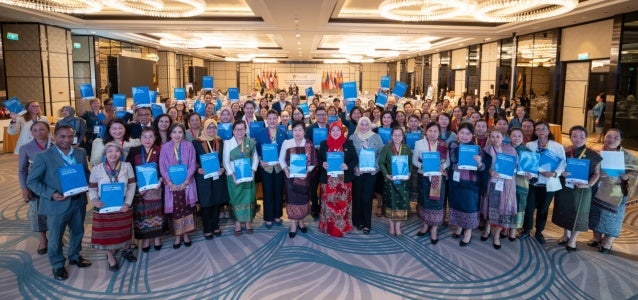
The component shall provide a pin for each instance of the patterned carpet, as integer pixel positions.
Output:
(269, 265)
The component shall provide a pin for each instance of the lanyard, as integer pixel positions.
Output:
(495, 151)
(241, 147)
(193, 134)
(42, 147)
(394, 149)
(146, 157)
(582, 153)
(178, 153)
(210, 148)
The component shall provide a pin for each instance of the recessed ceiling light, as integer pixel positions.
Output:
(297, 35)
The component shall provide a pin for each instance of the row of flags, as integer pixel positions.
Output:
(267, 80)
(331, 80)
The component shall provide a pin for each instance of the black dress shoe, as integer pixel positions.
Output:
(146, 249)
(420, 233)
(209, 237)
(455, 236)
(496, 246)
(188, 244)
(366, 231)
(540, 238)
(158, 247)
(42, 251)
(115, 267)
(176, 246)
(570, 249)
(434, 241)
(485, 238)
(604, 250)
(359, 227)
(129, 256)
(81, 262)
(523, 235)
(511, 238)
(218, 232)
(594, 244)
(292, 234)
(464, 244)
(60, 274)
(303, 229)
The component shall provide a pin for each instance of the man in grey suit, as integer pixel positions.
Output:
(61, 211)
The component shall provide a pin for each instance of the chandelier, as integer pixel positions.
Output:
(65, 7)
(522, 10)
(152, 8)
(424, 10)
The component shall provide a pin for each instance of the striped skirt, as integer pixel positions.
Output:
(112, 231)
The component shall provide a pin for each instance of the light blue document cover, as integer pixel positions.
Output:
(112, 195)
(548, 161)
(207, 83)
(119, 101)
(579, 169)
(385, 134)
(528, 162)
(297, 166)
(86, 91)
(411, 138)
(243, 170)
(613, 163)
(156, 110)
(179, 94)
(73, 180)
(309, 92)
(305, 109)
(367, 160)
(382, 99)
(334, 159)
(233, 94)
(269, 154)
(431, 163)
(505, 165)
(147, 178)
(200, 108)
(466, 157)
(210, 164)
(400, 167)
(225, 130)
(399, 89)
(15, 106)
(385, 83)
(177, 173)
(255, 127)
(141, 96)
(349, 90)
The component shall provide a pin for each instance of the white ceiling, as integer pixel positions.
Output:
(307, 30)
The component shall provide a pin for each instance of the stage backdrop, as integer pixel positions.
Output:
(302, 80)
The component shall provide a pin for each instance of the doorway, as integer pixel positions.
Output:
(575, 96)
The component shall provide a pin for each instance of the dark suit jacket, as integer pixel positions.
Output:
(277, 106)
(43, 179)
(135, 130)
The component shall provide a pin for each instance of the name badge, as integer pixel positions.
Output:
(499, 185)
(569, 185)
(75, 140)
(456, 176)
(96, 129)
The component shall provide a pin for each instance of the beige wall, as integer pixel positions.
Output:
(225, 76)
(436, 62)
(167, 78)
(593, 38)
(489, 62)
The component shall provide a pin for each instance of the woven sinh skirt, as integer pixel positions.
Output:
(183, 215)
(112, 231)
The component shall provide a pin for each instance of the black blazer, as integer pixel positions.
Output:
(350, 158)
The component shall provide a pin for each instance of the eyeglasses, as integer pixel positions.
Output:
(541, 129)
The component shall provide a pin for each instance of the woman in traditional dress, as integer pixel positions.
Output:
(502, 125)
(194, 127)
(522, 184)
(501, 192)
(161, 124)
(225, 119)
(271, 175)
(432, 189)
(22, 124)
(336, 191)
(112, 230)
(464, 188)
(40, 131)
(297, 188)
(480, 133)
(212, 191)
(605, 218)
(242, 194)
(386, 124)
(363, 183)
(573, 202)
(179, 197)
(116, 131)
(457, 118)
(413, 127)
(148, 205)
(447, 134)
(395, 199)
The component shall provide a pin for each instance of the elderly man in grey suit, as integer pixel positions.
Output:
(61, 211)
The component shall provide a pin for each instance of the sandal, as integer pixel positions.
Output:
(366, 231)
(238, 232)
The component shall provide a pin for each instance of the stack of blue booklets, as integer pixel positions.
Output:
(385, 83)
(528, 163)
(210, 164)
(384, 134)
(269, 154)
(367, 160)
(112, 196)
(225, 130)
(334, 159)
(86, 91)
(400, 167)
(466, 157)
(207, 83)
(179, 94)
(141, 96)
(243, 170)
(505, 165)
(411, 138)
(297, 166)
(613, 163)
(147, 178)
(382, 99)
(233, 94)
(548, 161)
(177, 173)
(431, 163)
(73, 180)
(578, 169)
(15, 106)
(319, 135)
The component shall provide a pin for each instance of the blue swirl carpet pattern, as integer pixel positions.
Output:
(269, 265)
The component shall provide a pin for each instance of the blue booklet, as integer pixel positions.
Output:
(466, 157)
(141, 96)
(177, 173)
(207, 83)
(319, 135)
(411, 138)
(399, 89)
(210, 164)
(152, 96)
(73, 180)
(400, 167)
(613, 163)
(156, 110)
(385, 83)
(367, 160)
(86, 91)
(147, 178)
(548, 161)
(269, 154)
(505, 165)
(349, 90)
(112, 195)
(334, 159)
(255, 127)
(350, 104)
(579, 169)
(179, 94)
(233, 94)
(15, 106)
(309, 93)
(243, 170)
(382, 99)
(528, 163)
(297, 166)
(431, 163)
(332, 119)
(119, 102)
(200, 107)
(225, 130)
(385, 134)
(306, 110)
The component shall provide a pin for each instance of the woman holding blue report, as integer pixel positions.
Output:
(522, 182)
(572, 203)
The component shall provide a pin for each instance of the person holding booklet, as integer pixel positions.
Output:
(501, 187)
(464, 185)
(62, 211)
(432, 176)
(269, 141)
(446, 132)
(336, 188)
(177, 167)
(22, 124)
(212, 191)
(320, 126)
(111, 190)
(298, 159)
(240, 164)
(522, 182)
(396, 172)
(541, 190)
(573, 202)
(368, 147)
(148, 204)
(384, 130)
(608, 205)
(116, 131)
(161, 124)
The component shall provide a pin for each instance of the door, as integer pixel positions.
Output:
(575, 96)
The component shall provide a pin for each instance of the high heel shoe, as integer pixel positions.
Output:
(604, 250)
(158, 247)
(176, 246)
(292, 234)
(570, 249)
(464, 244)
(511, 238)
(217, 232)
(595, 244)
(434, 241)
(455, 235)
(188, 244)
(485, 238)
(420, 233)
(303, 229)
(146, 249)
(496, 246)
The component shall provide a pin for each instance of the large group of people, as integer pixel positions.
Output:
(368, 139)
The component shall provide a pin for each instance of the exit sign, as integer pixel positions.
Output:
(583, 56)
(13, 36)
(77, 45)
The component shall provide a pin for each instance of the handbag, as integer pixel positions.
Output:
(609, 193)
